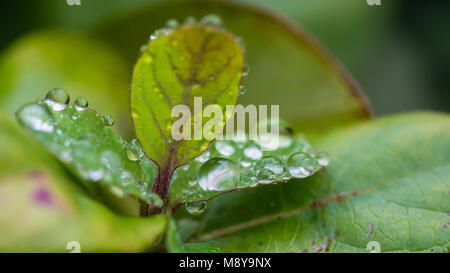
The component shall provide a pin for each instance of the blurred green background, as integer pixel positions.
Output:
(398, 52)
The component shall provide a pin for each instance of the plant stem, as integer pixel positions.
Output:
(161, 186)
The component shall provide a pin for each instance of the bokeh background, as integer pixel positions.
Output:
(398, 52)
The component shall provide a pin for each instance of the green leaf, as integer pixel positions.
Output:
(288, 67)
(174, 242)
(194, 60)
(231, 165)
(47, 59)
(82, 141)
(388, 181)
(46, 209)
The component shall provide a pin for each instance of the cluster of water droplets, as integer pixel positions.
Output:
(238, 163)
(81, 142)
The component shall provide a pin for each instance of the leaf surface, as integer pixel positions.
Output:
(193, 60)
(388, 181)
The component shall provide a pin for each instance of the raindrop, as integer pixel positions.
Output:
(81, 103)
(265, 175)
(253, 152)
(224, 148)
(190, 20)
(245, 70)
(242, 90)
(134, 151)
(323, 159)
(196, 208)
(95, 175)
(172, 23)
(271, 163)
(108, 120)
(218, 174)
(212, 19)
(301, 165)
(57, 99)
(36, 117)
(203, 157)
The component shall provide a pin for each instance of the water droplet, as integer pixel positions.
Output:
(143, 48)
(81, 103)
(271, 163)
(242, 90)
(218, 174)
(323, 159)
(212, 19)
(172, 23)
(159, 33)
(196, 208)
(224, 148)
(265, 175)
(301, 165)
(203, 157)
(108, 120)
(190, 20)
(245, 70)
(134, 151)
(253, 152)
(57, 99)
(36, 117)
(117, 191)
(95, 175)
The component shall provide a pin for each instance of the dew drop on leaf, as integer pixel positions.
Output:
(271, 163)
(218, 174)
(196, 208)
(81, 103)
(265, 175)
(224, 148)
(57, 99)
(36, 117)
(172, 23)
(212, 19)
(134, 151)
(323, 159)
(301, 165)
(253, 152)
(242, 90)
(108, 120)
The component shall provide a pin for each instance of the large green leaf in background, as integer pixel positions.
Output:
(388, 181)
(46, 209)
(83, 67)
(194, 60)
(287, 66)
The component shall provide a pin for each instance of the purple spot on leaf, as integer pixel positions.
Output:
(42, 196)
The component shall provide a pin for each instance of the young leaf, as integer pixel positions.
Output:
(81, 139)
(230, 165)
(45, 211)
(193, 60)
(388, 182)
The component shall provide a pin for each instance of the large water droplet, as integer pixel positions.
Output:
(81, 103)
(224, 148)
(218, 174)
(57, 99)
(36, 117)
(253, 152)
(134, 151)
(271, 163)
(301, 165)
(108, 120)
(196, 208)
